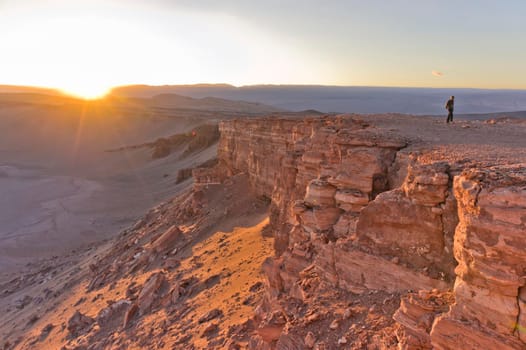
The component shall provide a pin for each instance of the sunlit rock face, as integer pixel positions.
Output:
(353, 206)
(490, 248)
(355, 232)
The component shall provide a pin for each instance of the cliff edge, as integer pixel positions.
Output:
(381, 211)
(349, 231)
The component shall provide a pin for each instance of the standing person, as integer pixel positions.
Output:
(450, 106)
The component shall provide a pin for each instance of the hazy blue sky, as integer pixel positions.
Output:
(87, 46)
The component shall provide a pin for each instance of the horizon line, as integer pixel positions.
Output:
(203, 84)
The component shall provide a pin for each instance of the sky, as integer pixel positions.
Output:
(86, 47)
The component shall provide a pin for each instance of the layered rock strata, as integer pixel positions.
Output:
(490, 247)
(361, 209)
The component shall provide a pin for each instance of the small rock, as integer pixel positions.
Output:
(33, 319)
(80, 301)
(210, 315)
(321, 346)
(256, 286)
(342, 341)
(347, 313)
(21, 303)
(167, 240)
(48, 328)
(310, 340)
(210, 329)
(132, 311)
(79, 322)
(171, 263)
(334, 325)
(45, 331)
(313, 317)
(113, 312)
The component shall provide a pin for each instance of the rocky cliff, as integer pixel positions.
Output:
(361, 207)
(351, 232)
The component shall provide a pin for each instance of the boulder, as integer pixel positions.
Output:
(78, 323)
(167, 240)
(150, 292)
(112, 315)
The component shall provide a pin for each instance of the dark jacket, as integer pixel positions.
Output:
(450, 104)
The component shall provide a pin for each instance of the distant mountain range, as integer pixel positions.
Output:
(341, 99)
(163, 102)
(348, 99)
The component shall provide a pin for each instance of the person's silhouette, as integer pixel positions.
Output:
(450, 106)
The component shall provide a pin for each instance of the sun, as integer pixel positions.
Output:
(86, 91)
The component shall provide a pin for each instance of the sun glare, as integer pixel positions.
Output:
(84, 53)
(86, 92)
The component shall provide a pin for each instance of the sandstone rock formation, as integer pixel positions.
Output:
(388, 232)
(361, 210)
(490, 250)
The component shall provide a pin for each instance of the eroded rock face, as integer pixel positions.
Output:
(353, 210)
(490, 249)
(368, 236)
(416, 315)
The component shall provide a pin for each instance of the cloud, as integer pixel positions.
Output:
(437, 73)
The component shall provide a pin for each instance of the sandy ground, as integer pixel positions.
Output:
(43, 215)
(217, 266)
(59, 187)
(36, 210)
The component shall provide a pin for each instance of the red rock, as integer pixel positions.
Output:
(79, 323)
(334, 325)
(320, 193)
(358, 272)
(358, 169)
(351, 200)
(113, 314)
(448, 334)
(324, 263)
(130, 314)
(321, 173)
(416, 315)
(393, 225)
(521, 327)
(210, 315)
(310, 340)
(319, 219)
(427, 184)
(150, 292)
(492, 260)
(346, 225)
(167, 240)
(289, 341)
(270, 332)
(210, 329)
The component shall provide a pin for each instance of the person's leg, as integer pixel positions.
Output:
(448, 116)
